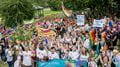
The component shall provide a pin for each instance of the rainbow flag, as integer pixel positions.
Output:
(92, 36)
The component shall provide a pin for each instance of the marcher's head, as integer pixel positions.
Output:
(27, 48)
(92, 52)
(105, 59)
(92, 58)
(115, 52)
(53, 49)
(83, 50)
(41, 47)
(87, 35)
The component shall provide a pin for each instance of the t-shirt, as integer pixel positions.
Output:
(9, 55)
(41, 53)
(53, 55)
(84, 57)
(87, 43)
(92, 64)
(17, 62)
(74, 55)
(27, 60)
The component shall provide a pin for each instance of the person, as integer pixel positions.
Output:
(9, 55)
(33, 50)
(92, 62)
(87, 42)
(106, 62)
(67, 38)
(96, 46)
(105, 57)
(53, 54)
(92, 53)
(65, 55)
(26, 58)
(114, 36)
(83, 61)
(116, 58)
(42, 54)
(74, 54)
(2, 52)
(17, 63)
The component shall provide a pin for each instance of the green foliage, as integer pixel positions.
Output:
(21, 34)
(54, 5)
(14, 12)
(100, 8)
(42, 3)
(76, 5)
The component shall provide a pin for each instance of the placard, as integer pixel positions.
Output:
(80, 19)
(98, 23)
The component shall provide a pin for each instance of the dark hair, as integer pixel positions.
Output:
(52, 47)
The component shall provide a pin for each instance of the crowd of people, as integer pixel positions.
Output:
(86, 45)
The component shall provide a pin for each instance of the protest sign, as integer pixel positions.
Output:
(98, 23)
(80, 19)
(52, 63)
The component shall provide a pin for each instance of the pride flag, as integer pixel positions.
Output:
(92, 36)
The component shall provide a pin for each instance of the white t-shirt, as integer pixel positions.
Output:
(74, 40)
(9, 55)
(87, 43)
(62, 40)
(53, 55)
(17, 62)
(68, 39)
(84, 57)
(41, 53)
(27, 60)
(92, 64)
(74, 55)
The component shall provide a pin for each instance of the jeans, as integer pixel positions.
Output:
(10, 64)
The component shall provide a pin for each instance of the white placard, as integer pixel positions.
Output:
(98, 23)
(80, 19)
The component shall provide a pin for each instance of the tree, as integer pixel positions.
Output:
(42, 3)
(98, 8)
(54, 5)
(14, 12)
(76, 5)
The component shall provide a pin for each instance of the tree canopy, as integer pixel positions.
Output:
(98, 8)
(14, 12)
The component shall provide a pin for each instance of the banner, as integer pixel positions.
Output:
(98, 23)
(52, 63)
(45, 32)
(80, 19)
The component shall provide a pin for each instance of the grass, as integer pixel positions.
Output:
(2, 64)
(48, 12)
